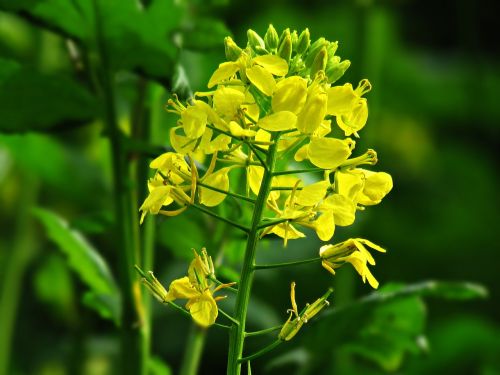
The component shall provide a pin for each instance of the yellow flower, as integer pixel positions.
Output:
(292, 326)
(362, 186)
(352, 251)
(172, 179)
(350, 109)
(326, 153)
(198, 288)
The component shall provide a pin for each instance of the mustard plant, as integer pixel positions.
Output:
(274, 113)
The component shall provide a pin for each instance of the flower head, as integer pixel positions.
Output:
(352, 251)
(197, 287)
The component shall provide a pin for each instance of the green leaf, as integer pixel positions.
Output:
(392, 330)
(32, 101)
(54, 286)
(205, 33)
(86, 262)
(135, 38)
(157, 367)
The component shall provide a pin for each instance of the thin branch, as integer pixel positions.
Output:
(218, 282)
(297, 171)
(261, 352)
(235, 321)
(263, 331)
(271, 223)
(238, 196)
(285, 264)
(213, 214)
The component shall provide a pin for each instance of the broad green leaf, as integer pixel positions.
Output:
(392, 330)
(157, 367)
(206, 33)
(135, 37)
(32, 101)
(54, 286)
(86, 262)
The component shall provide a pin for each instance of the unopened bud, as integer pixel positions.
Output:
(335, 68)
(319, 62)
(304, 41)
(231, 49)
(271, 39)
(254, 39)
(313, 51)
(295, 39)
(285, 48)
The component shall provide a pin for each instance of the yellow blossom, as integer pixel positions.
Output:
(197, 287)
(352, 251)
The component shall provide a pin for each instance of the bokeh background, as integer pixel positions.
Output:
(434, 121)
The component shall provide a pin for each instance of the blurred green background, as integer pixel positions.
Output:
(434, 121)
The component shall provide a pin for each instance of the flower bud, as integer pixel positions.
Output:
(336, 69)
(313, 51)
(319, 62)
(231, 49)
(254, 40)
(304, 42)
(285, 48)
(271, 38)
(295, 39)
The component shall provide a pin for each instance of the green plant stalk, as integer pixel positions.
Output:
(20, 255)
(237, 334)
(194, 351)
(133, 355)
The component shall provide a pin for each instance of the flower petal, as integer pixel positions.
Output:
(328, 153)
(219, 180)
(273, 64)
(261, 79)
(283, 120)
(203, 309)
(290, 95)
(225, 71)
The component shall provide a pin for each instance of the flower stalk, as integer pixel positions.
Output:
(237, 334)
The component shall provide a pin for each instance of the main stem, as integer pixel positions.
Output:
(134, 358)
(237, 334)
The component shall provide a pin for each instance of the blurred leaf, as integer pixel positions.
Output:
(61, 163)
(135, 37)
(392, 330)
(157, 367)
(180, 234)
(385, 325)
(86, 262)
(54, 286)
(107, 305)
(205, 33)
(31, 101)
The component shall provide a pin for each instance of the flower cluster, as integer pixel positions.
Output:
(273, 118)
(198, 287)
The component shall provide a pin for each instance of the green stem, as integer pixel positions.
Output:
(19, 256)
(262, 351)
(285, 264)
(133, 359)
(194, 351)
(297, 171)
(263, 331)
(228, 316)
(237, 334)
(213, 214)
(238, 196)
(271, 223)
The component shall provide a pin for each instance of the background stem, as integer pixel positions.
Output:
(134, 358)
(194, 350)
